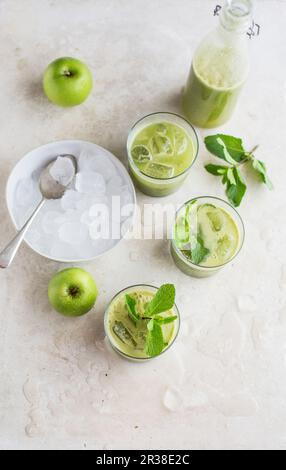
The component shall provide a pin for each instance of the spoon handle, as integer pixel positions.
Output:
(9, 253)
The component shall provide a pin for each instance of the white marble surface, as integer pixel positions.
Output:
(224, 384)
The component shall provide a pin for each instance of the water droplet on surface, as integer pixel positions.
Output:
(172, 400)
(32, 430)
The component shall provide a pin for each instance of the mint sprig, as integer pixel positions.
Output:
(163, 301)
(231, 150)
(131, 307)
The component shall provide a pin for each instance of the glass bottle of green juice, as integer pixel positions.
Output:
(220, 68)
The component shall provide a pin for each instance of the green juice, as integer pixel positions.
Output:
(161, 148)
(208, 105)
(128, 339)
(206, 237)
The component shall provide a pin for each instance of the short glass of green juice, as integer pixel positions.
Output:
(208, 233)
(162, 148)
(129, 339)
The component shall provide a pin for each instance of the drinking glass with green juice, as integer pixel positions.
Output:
(220, 68)
(208, 233)
(162, 148)
(127, 323)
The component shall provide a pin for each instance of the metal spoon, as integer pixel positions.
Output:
(50, 189)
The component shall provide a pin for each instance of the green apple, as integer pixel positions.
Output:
(67, 82)
(72, 292)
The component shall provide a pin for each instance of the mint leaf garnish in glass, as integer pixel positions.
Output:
(198, 252)
(232, 151)
(155, 339)
(214, 236)
(142, 321)
(131, 307)
(163, 301)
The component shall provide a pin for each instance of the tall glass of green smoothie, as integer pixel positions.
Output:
(208, 234)
(220, 68)
(162, 148)
(127, 334)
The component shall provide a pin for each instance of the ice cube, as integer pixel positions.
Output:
(27, 193)
(98, 229)
(161, 145)
(73, 233)
(161, 129)
(51, 221)
(71, 200)
(123, 334)
(63, 171)
(159, 170)
(225, 246)
(114, 186)
(97, 162)
(90, 183)
(86, 219)
(52, 205)
(180, 142)
(126, 197)
(96, 210)
(141, 154)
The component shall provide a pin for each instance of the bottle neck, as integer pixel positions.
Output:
(236, 16)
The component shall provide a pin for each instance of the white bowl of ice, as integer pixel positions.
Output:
(93, 215)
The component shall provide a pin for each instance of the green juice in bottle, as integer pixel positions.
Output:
(220, 68)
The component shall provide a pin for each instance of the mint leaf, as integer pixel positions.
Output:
(236, 188)
(260, 168)
(166, 320)
(131, 307)
(163, 301)
(155, 340)
(199, 251)
(226, 147)
(216, 170)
